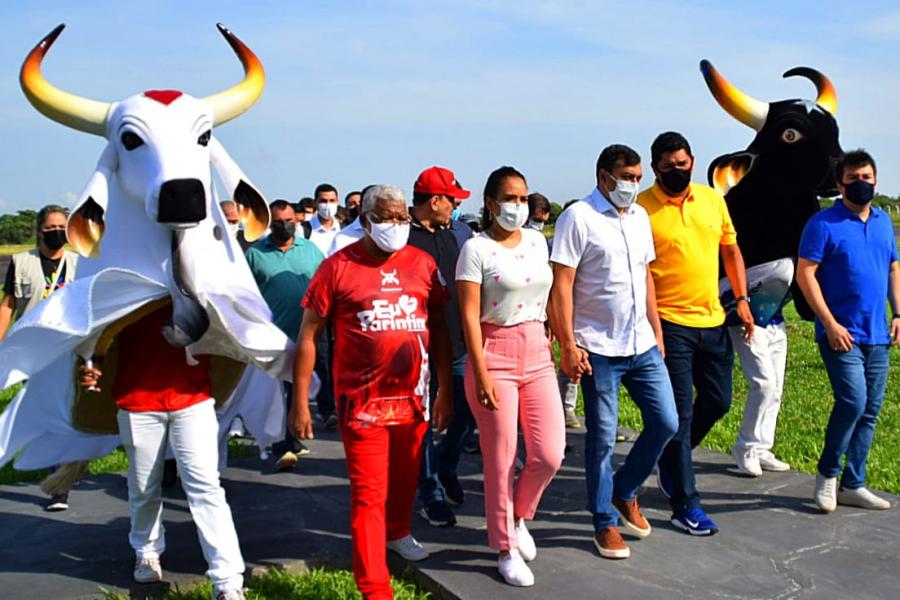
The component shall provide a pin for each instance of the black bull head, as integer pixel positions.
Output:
(773, 187)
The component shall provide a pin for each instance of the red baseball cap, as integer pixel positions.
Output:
(440, 181)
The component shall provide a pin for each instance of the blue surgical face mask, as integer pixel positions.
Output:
(456, 214)
(859, 192)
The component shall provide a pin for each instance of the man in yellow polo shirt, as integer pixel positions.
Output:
(691, 228)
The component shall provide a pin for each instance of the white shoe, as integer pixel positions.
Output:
(147, 570)
(862, 498)
(229, 594)
(768, 462)
(514, 570)
(526, 543)
(746, 462)
(826, 492)
(409, 548)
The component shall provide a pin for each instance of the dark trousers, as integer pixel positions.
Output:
(324, 354)
(289, 443)
(698, 358)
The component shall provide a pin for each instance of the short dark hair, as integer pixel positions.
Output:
(670, 141)
(306, 203)
(853, 160)
(538, 201)
(420, 198)
(49, 210)
(323, 187)
(279, 204)
(354, 192)
(611, 155)
(492, 187)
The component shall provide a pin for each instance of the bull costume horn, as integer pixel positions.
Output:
(237, 99)
(65, 108)
(747, 110)
(827, 94)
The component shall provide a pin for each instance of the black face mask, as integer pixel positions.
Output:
(352, 213)
(859, 192)
(54, 239)
(675, 180)
(282, 231)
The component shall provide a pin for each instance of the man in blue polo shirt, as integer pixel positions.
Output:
(283, 265)
(847, 268)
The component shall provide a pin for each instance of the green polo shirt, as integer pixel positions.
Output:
(282, 277)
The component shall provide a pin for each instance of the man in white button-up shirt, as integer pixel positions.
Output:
(324, 226)
(603, 310)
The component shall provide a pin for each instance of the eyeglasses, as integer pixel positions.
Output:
(403, 220)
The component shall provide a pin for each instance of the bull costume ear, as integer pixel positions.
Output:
(727, 171)
(253, 210)
(86, 225)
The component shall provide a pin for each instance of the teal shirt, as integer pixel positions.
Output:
(283, 277)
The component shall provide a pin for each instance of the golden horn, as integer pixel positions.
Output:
(747, 110)
(827, 94)
(235, 100)
(70, 110)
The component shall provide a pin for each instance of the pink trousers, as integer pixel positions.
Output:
(520, 364)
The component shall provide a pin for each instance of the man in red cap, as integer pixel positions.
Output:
(436, 198)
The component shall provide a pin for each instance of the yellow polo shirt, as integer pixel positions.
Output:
(687, 236)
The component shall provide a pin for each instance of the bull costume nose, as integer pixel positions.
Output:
(181, 201)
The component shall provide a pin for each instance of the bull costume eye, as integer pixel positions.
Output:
(791, 135)
(131, 140)
(203, 140)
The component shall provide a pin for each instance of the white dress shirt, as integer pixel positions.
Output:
(322, 236)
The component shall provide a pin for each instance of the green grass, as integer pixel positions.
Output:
(10, 249)
(315, 584)
(806, 405)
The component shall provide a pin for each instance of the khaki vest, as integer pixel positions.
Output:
(28, 285)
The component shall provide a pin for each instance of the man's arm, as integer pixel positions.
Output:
(572, 359)
(441, 357)
(311, 330)
(838, 336)
(893, 298)
(7, 307)
(653, 313)
(737, 276)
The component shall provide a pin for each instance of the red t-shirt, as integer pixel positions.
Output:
(154, 376)
(379, 310)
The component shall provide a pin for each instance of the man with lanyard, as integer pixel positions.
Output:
(847, 268)
(34, 275)
(436, 195)
(283, 265)
(691, 230)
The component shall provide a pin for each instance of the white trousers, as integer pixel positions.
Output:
(192, 434)
(763, 361)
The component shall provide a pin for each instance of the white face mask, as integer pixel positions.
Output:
(389, 237)
(327, 210)
(512, 215)
(536, 225)
(625, 193)
(233, 229)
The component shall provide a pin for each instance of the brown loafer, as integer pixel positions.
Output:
(610, 544)
(632, 519)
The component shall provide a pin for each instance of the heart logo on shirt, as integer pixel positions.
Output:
(496, 278)
(408, 304)
(494, 304)
(528, 280)
(519, 306)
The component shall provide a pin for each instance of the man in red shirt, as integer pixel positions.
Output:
(385, 300)
(161, 397)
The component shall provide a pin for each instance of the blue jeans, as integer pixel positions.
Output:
(644, 376)
(858, 378)
(701, 358)
(444, 459)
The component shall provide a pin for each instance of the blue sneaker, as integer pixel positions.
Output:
(694, 522)
(664, 483)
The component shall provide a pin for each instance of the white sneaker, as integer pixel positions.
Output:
(526, 543)
(229, 594)
(514, 570)
(147, 570)
(768, 462)
(862, 498)
(409, 548)
(746, 462)
(826, 492)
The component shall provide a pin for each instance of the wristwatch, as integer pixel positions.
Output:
(742, 299)
(896, 316)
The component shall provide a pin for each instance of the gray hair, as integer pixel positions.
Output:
(381, 192)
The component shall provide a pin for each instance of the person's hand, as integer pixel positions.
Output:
(839, 338)
(895, 331)
(661, 344)
(485, 392)
(746, 316)
(574, 363)
(300, 422)
(443, 409)
(90, 377)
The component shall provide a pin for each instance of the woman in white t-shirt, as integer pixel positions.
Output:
(503, 276)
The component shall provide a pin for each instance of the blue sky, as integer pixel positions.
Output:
(373, 92)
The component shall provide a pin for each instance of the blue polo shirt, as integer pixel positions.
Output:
(854, 258)
(283, 277)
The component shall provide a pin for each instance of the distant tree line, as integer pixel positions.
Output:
(18, 228)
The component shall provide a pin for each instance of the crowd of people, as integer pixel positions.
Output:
(462, 316)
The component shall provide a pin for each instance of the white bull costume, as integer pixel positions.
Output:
(151, 202)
